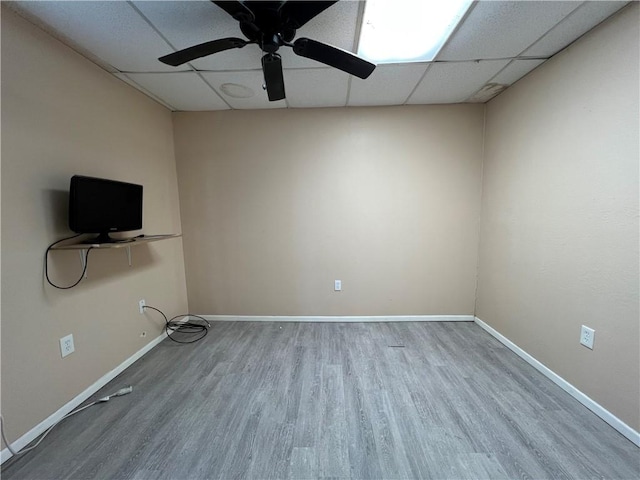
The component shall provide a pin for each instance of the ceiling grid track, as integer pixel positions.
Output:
(521, 57)
(193, 69)
(356, 43)
(455, 30)
(494, 44)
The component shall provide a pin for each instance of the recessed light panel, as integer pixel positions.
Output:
(402, 31)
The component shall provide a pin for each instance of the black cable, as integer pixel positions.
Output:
(46, 263)
(173, 326)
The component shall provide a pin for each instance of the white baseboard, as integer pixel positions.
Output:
(335, 319)
(596, 408)
(52, 419)
(592, 405)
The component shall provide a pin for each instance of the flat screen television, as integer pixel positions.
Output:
(99, 205)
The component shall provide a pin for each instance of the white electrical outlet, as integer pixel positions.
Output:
(587, 336)
(337, 285)
(66, 345)
(141, 305)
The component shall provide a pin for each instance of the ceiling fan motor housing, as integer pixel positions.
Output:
(268, 29)
(271, 25)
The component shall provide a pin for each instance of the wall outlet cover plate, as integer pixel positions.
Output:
(66, 345)
(587, 336)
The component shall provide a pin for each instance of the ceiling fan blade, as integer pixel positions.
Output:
(297, 13)
(202, 50)
(237, 10)
(273, 79)
(335, 57)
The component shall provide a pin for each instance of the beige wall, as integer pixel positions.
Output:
(559, 230)
(62, 115)
(278, 204)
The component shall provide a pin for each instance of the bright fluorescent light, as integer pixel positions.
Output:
(396, 31)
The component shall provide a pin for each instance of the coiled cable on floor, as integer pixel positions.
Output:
(177, 326)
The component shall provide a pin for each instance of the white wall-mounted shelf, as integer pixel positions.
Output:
(124, 243)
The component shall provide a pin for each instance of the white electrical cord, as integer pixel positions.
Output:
(119, 393)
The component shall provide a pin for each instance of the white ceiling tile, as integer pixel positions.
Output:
(189, 23)
(574, 26)
(335, 26)
(375, 89)
(111, 31)
(245, 58)
(317, 87)
(486, 93)
(252, 80)
(499, 29)
(454, 82)
(130, 36)
(184, 91)
(515, 71)
(185, 24)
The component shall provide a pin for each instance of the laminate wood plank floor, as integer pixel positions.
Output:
(333, 400)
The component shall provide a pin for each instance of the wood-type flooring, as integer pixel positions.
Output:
(259, 400)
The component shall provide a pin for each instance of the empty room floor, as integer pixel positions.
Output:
(333, 400)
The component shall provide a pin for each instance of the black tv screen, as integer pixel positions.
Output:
(98, 205)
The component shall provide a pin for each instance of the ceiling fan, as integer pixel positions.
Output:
(272, 25)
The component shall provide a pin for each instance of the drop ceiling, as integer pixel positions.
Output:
(496, 44)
